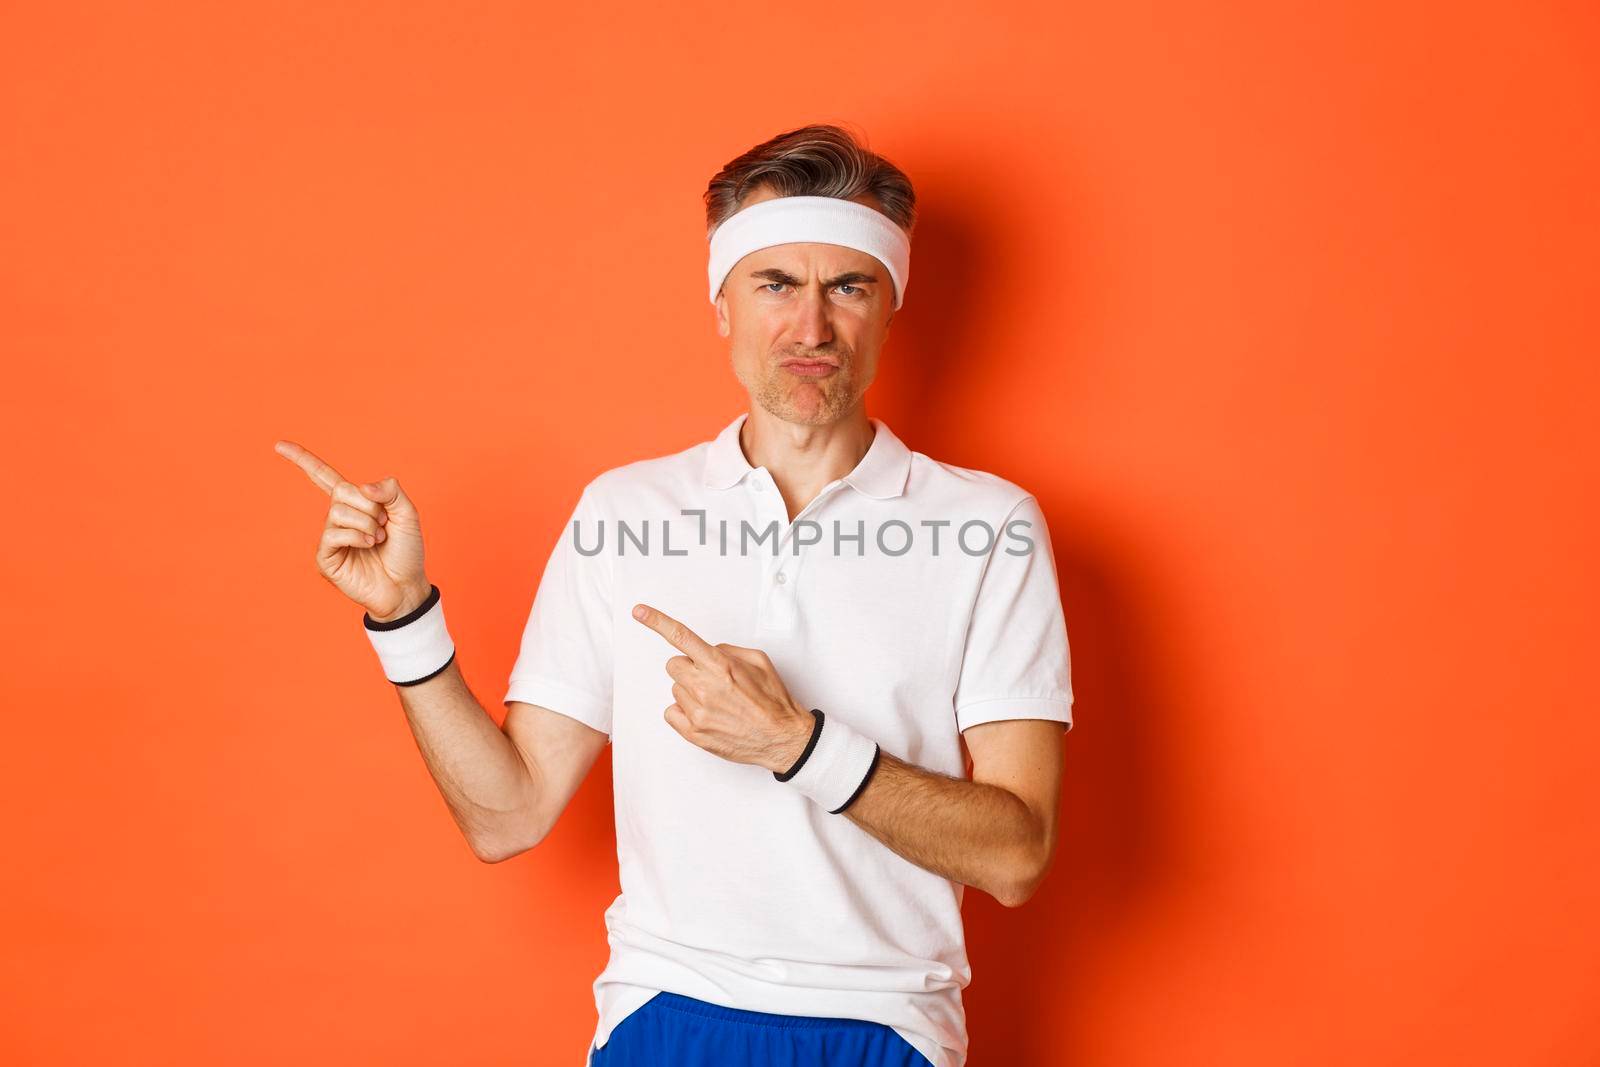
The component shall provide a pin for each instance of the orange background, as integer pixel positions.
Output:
(1286, 313)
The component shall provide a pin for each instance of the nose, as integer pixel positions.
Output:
(813, 324)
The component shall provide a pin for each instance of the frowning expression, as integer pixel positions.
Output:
(806, 323)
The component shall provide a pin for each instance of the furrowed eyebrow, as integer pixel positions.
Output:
(773, 274)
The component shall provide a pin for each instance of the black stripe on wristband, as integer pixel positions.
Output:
(877, 750)
(431, 674)
(411, 616)
(811, 743)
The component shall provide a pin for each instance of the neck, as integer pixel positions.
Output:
(803, 458)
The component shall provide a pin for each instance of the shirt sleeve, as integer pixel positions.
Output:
(565, 660)
(1016, 663)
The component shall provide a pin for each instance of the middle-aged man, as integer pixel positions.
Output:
(794, 635)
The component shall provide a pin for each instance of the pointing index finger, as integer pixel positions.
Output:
(316, 469)
(677, 634)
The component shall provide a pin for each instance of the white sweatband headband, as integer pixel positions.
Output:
(836, 765)
(820, 219)
(416, 646)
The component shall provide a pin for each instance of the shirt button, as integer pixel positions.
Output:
(780, 578)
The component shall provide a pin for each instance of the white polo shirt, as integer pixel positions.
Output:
(899, 601)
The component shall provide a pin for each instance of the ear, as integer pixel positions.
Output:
(722, 314)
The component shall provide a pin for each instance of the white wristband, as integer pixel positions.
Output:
(414, 647)
(836, 765)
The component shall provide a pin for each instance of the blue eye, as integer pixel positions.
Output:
(855, 290)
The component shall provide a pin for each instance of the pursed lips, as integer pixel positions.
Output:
(809, 367)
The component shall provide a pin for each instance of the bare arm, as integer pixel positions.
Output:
(505, 786)
(558, 751)
(996, 832)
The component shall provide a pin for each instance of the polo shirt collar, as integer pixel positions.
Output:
(880, 474)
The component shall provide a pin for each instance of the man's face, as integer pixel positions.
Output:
(805, 324)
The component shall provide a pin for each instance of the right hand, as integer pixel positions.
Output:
(371, 547)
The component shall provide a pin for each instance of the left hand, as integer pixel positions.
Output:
(729, 699)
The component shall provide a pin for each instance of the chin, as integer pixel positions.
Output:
(814, 410)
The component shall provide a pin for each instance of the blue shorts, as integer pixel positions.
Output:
(673, 1030)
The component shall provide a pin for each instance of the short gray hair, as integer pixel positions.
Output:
(819, 160)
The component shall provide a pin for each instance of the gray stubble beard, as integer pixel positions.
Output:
(837, 394)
